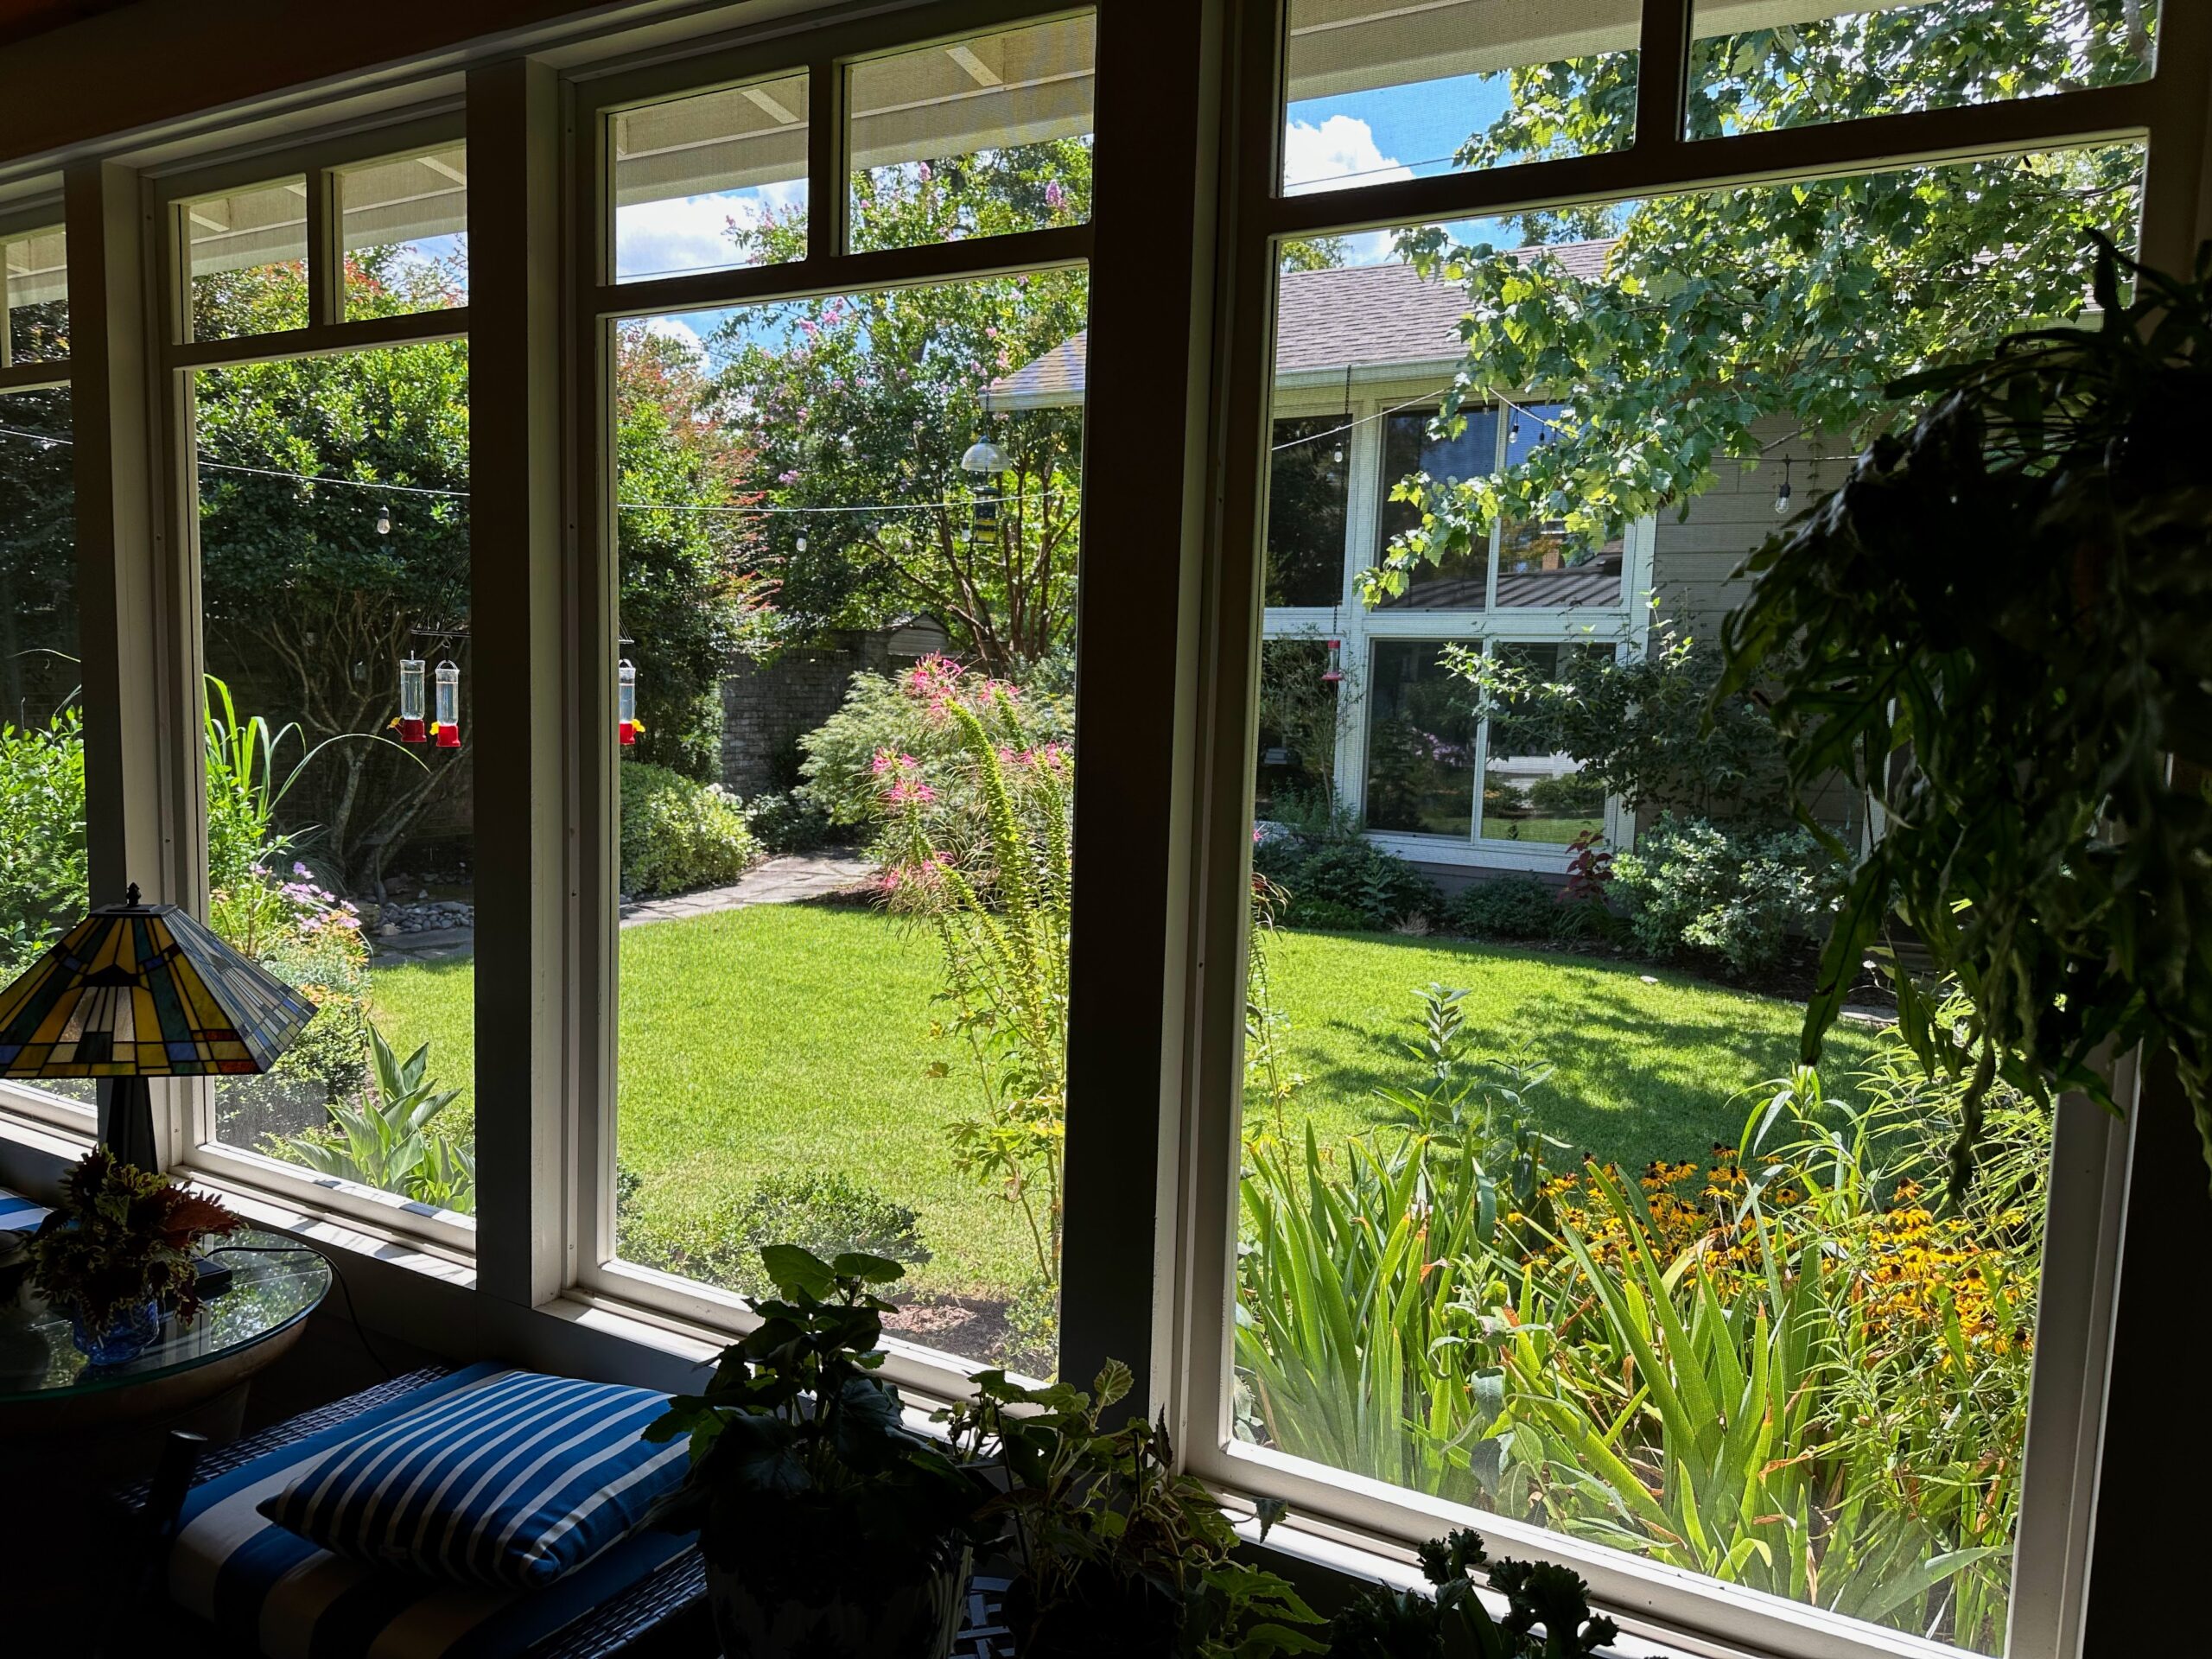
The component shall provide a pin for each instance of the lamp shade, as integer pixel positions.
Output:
(145, 991)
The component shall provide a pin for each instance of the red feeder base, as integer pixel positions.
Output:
(448, 737)
(412, 731)
(627, 733)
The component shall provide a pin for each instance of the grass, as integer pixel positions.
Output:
(797, 1037)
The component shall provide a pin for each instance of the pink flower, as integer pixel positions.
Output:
(788, 479)
(922, 172)
(882, 763)
(1055, 198)
(909, 793)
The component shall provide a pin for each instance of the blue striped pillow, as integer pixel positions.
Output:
(512, 1481)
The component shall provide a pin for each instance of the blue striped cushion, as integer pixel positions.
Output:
(18, 1213)
(515, 1479)
(274, 1593)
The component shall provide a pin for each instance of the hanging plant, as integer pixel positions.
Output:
(2001, 625)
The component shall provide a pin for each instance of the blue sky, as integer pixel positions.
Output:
(1357, 138)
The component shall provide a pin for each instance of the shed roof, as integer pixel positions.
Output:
(1349, 317)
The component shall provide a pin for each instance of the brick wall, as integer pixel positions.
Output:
(768, 704)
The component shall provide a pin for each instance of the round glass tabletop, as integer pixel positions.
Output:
(275, 1283)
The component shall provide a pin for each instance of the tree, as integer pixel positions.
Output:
(1797, 303)
(858, 409)
(308, 608)
(38, 556)
(690, 594)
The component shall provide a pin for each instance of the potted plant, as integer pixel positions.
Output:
(1110, 1551)
(829, 1527)
(1548, 1612)
(117, 1246)
(2001, 627)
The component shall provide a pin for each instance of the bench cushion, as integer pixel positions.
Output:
(18, 1213)
(274, 1592)
(516, 1478)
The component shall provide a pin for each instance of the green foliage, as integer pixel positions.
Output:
(2023, 703)
(825, 1211)
(883, 714)
(1332, 878)
(997, 896)
(691, 595)
(1649, 729)
(1396, 1624)
(678, 834)
(791, 821)
(1742, 894)
(387, 1139)
(1505, 907)
(800, 1464)
(44, 884)
(311, 941)
(1795, 302)
(864, 398)
(1308, 717)
(1116, 1553)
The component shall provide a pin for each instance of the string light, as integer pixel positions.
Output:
(384, 521)
(1781, 495)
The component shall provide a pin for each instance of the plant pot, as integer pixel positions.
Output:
(856, 1617)
(118, 1338)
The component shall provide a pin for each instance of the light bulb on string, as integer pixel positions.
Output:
(1782, 495)
(801, 542)
(384, 521)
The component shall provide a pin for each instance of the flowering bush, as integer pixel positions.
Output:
(311, 939)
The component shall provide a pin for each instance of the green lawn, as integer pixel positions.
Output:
(797, 1037)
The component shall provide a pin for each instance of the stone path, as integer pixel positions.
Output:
(785, 880)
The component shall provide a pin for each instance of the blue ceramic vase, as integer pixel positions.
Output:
(125, 1334)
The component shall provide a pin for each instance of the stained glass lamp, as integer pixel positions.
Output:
(137, 991)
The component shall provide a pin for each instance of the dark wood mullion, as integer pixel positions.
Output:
(828, 183)
(1662, 79)
(1145, 479)
(326, 264)
(321, 340)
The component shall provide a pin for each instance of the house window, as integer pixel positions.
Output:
(1411, 446)
(702, 183)
(1376, 89)
(245, 255)
(402, 227)
(33, 297)
(1308, 488)
(1422, 729)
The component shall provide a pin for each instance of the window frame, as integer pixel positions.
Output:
(828, 269)
(195, 1148)
(2164, 114)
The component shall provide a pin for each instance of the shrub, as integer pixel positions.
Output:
(883, 715)
(792, 821)
(43, 882)
(1352, 874)
(825, 1213)
(1571, 795)
(678, 834)
(1505, 907)
(1325, 915)
(1692, 885)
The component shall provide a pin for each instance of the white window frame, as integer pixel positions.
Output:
(2166, 113)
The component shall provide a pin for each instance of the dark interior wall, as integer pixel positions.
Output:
(142, 65)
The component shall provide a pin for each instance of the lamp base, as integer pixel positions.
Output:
(127, 1122)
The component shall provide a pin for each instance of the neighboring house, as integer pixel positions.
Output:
(1364, 355)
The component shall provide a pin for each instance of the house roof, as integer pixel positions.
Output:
(1349, 317)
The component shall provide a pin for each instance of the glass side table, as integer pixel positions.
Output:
(46, 1384)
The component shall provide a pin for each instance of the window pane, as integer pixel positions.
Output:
(1308, 480)
(1538, 563)
(33, 298)
(43, 888)
(848, 615)
(1411, 446)
(1757, 65)
(1505, 1001)
(1532, 790)
(1308, 692)
(247, 255)
(982, 137)
(712, 182)
(340, 743)
(402, 225)
(1420, 742)
(1377, 90)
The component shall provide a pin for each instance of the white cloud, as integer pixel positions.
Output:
(1340, 149)
(681, 332)
(688, 233)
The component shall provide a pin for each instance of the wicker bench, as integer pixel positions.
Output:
(662, 1614)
